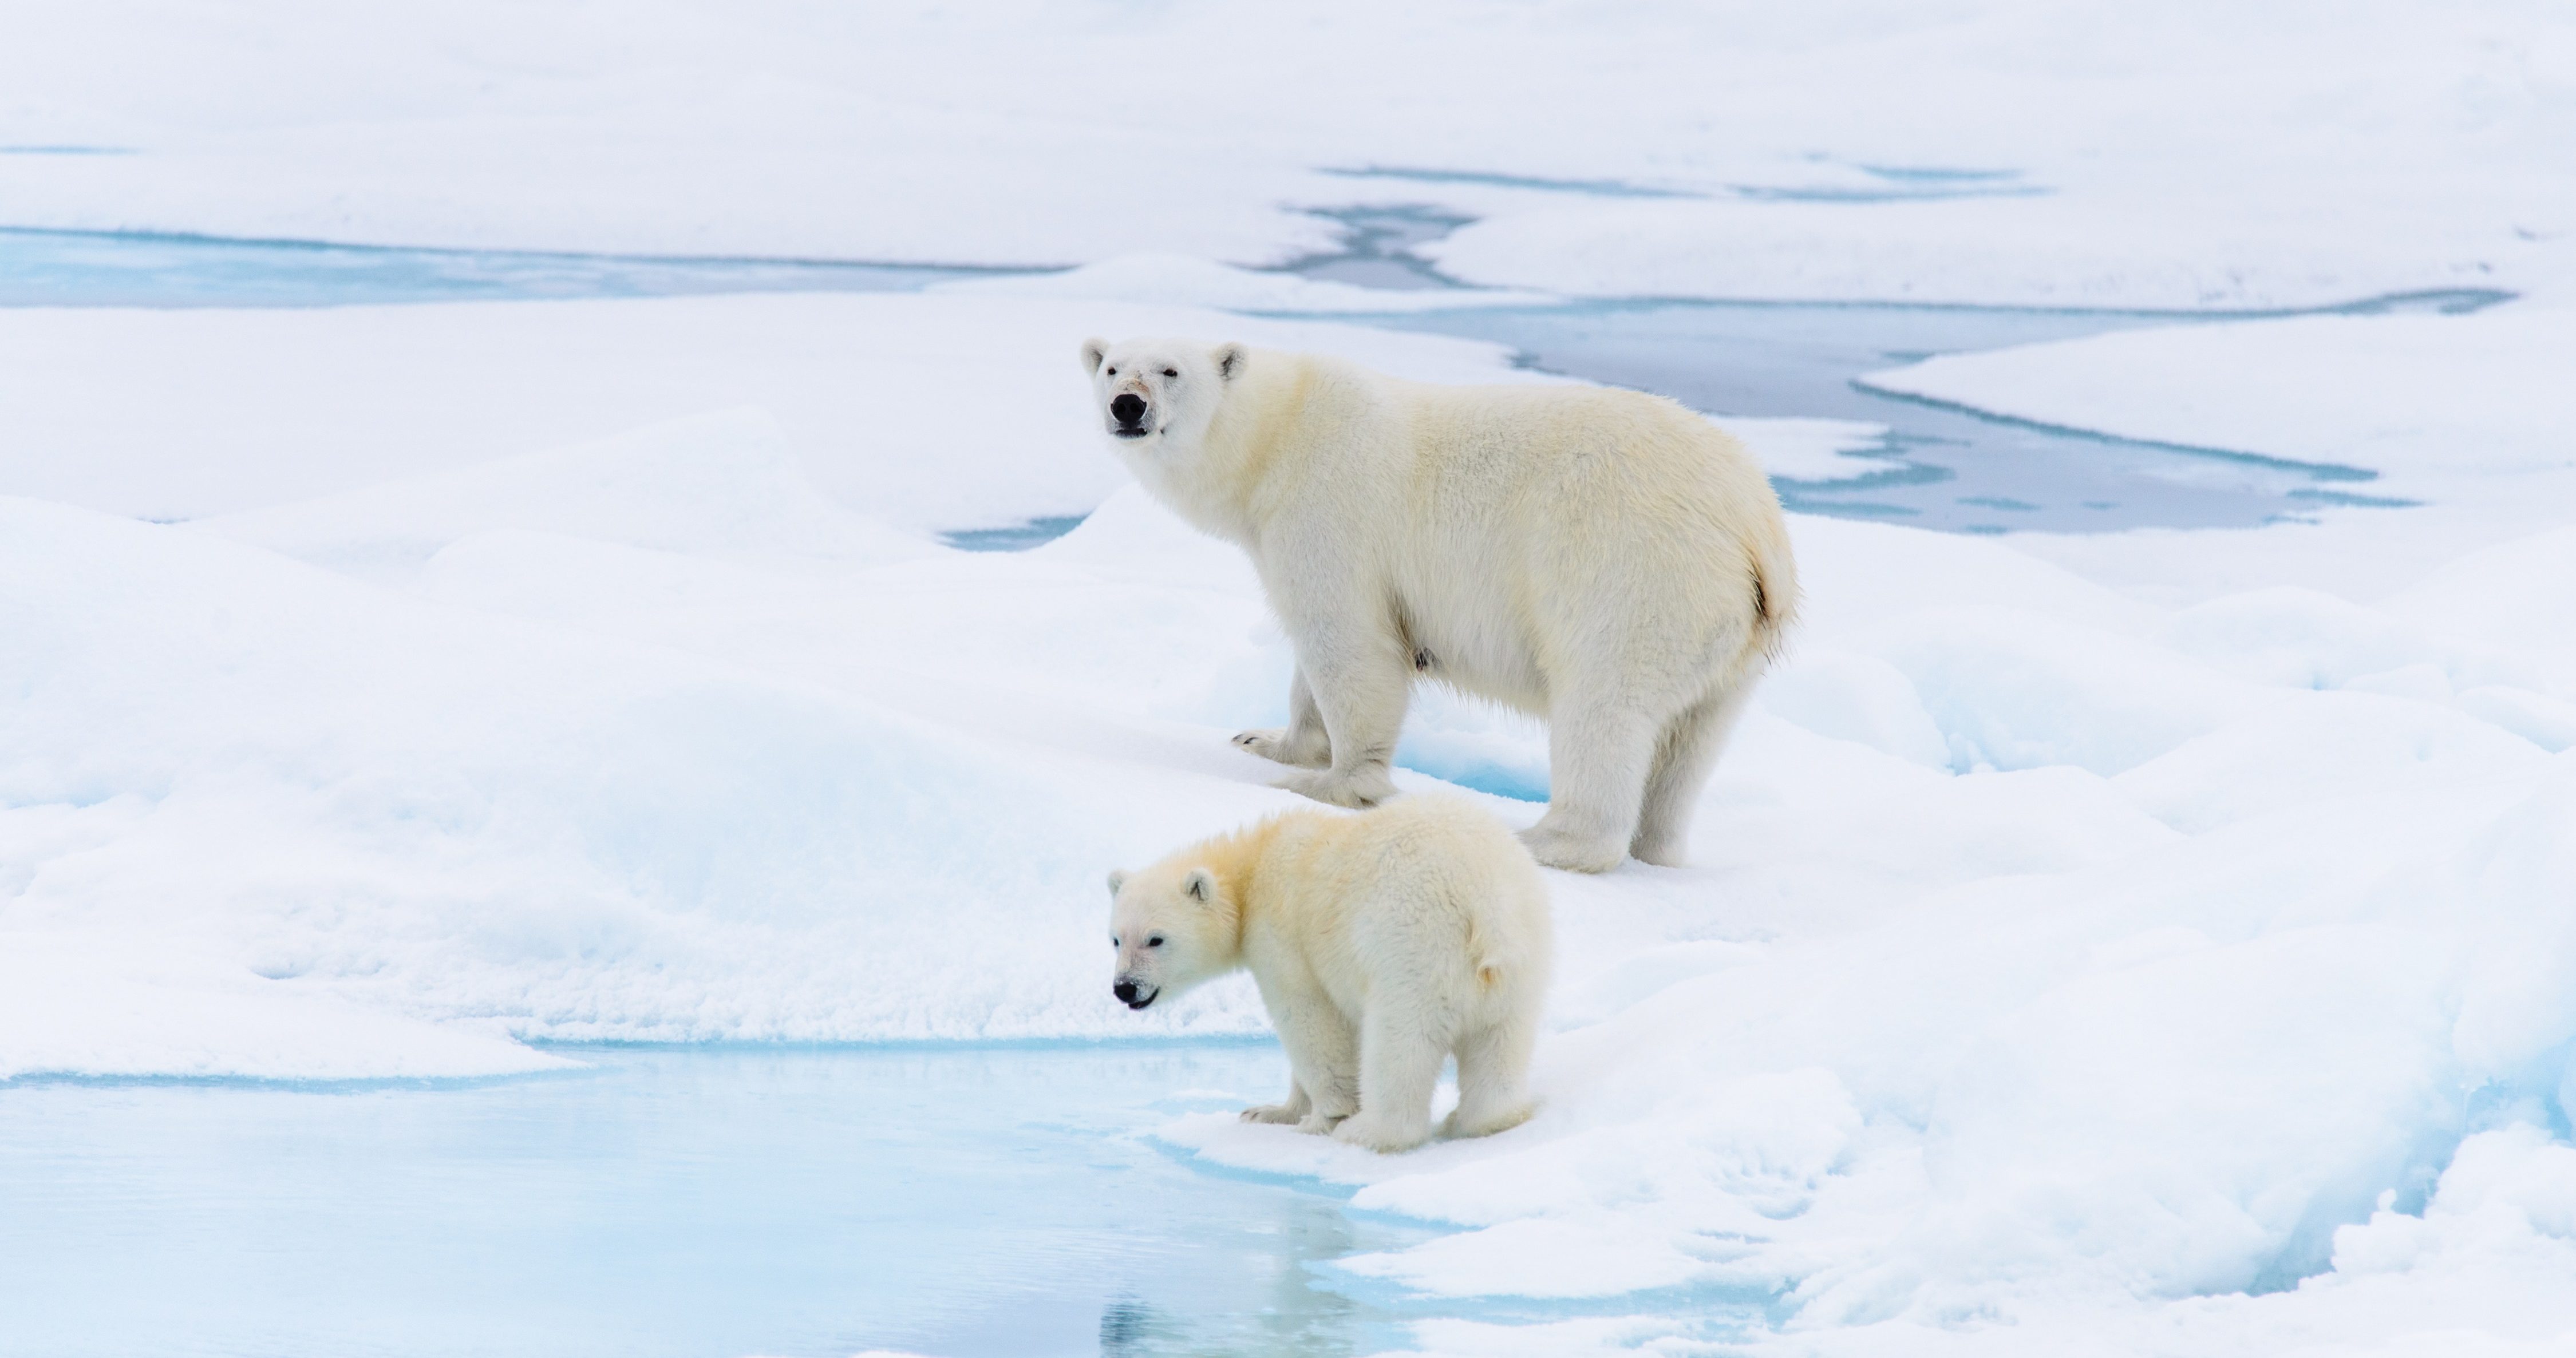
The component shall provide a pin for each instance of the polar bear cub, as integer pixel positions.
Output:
(1604, 559)
(1382, 943)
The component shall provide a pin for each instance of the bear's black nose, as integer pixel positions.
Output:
(1129, 408)
(1125, 991)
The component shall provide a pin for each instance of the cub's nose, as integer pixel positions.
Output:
(1125, 991)
(1129, 408)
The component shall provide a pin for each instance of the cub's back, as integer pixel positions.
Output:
(1434, 880)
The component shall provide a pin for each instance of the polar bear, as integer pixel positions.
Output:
(1381, 942)
(1604, 559)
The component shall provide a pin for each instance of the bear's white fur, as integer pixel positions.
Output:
(1382, 943)
(1605, 559)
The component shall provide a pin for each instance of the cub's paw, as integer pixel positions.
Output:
(1321, 1124)
(1358, 791)
(1574, 853)
(1386, 1139)
(1274, 745)
(1271, 1112)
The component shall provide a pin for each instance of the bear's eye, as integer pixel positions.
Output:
(1171, 372)
(1113, 372)
(1154, 942)
(1113, 940)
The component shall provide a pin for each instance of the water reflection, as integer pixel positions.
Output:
(672, 1203)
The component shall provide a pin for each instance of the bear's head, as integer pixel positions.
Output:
(1154, 393)
(1173, 926)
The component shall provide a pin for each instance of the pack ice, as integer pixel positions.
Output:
(2094, 946)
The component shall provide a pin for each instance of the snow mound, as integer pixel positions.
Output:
(721, 485)
(454, 815)
(117, 1007)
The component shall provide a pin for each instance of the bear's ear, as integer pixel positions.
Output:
(1201, 884)
(1117, 879)
(1229, 361)
(1094, 351)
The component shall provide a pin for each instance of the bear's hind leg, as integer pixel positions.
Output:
(1303, 742)
(1683, 758)
(1599, 753)
(1493, 1078)
(1399, 1069)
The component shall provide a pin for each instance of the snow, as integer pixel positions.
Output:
(2346, 390)
(2152, 942)
(283, 404)
(75, 1003)
(1809, 449)
(1185, 280)
(2469, 415)
(2053, 954)
(2002, 151)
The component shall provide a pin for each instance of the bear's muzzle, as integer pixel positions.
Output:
(1128, 409)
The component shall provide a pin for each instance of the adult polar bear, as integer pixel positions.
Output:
(1605, 559)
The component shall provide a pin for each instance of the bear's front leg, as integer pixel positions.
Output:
(1303, 741)
(1352, 658)
(1323, 1057)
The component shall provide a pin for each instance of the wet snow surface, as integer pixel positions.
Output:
(480, 579)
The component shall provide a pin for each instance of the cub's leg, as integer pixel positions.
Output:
(1361, 676)
(1399, 1067)
(1683, 757)
(1303, 742)
(1323, 1060)
(1293, 1109)
(1493, 1078)
(1599, 751)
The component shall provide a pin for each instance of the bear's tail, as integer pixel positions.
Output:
(1775, 591)
(1484, 960)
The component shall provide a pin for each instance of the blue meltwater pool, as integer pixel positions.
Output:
(688, 1202)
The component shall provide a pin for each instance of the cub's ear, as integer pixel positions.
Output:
(1094, 351)
(1229, 361)
(1117, 879)
(1201, 884)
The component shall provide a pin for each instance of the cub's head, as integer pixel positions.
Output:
(1173, 927)
(1152, 392)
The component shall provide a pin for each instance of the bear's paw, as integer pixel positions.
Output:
(1358, 791)
(1274, 744)
(1572, 852)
